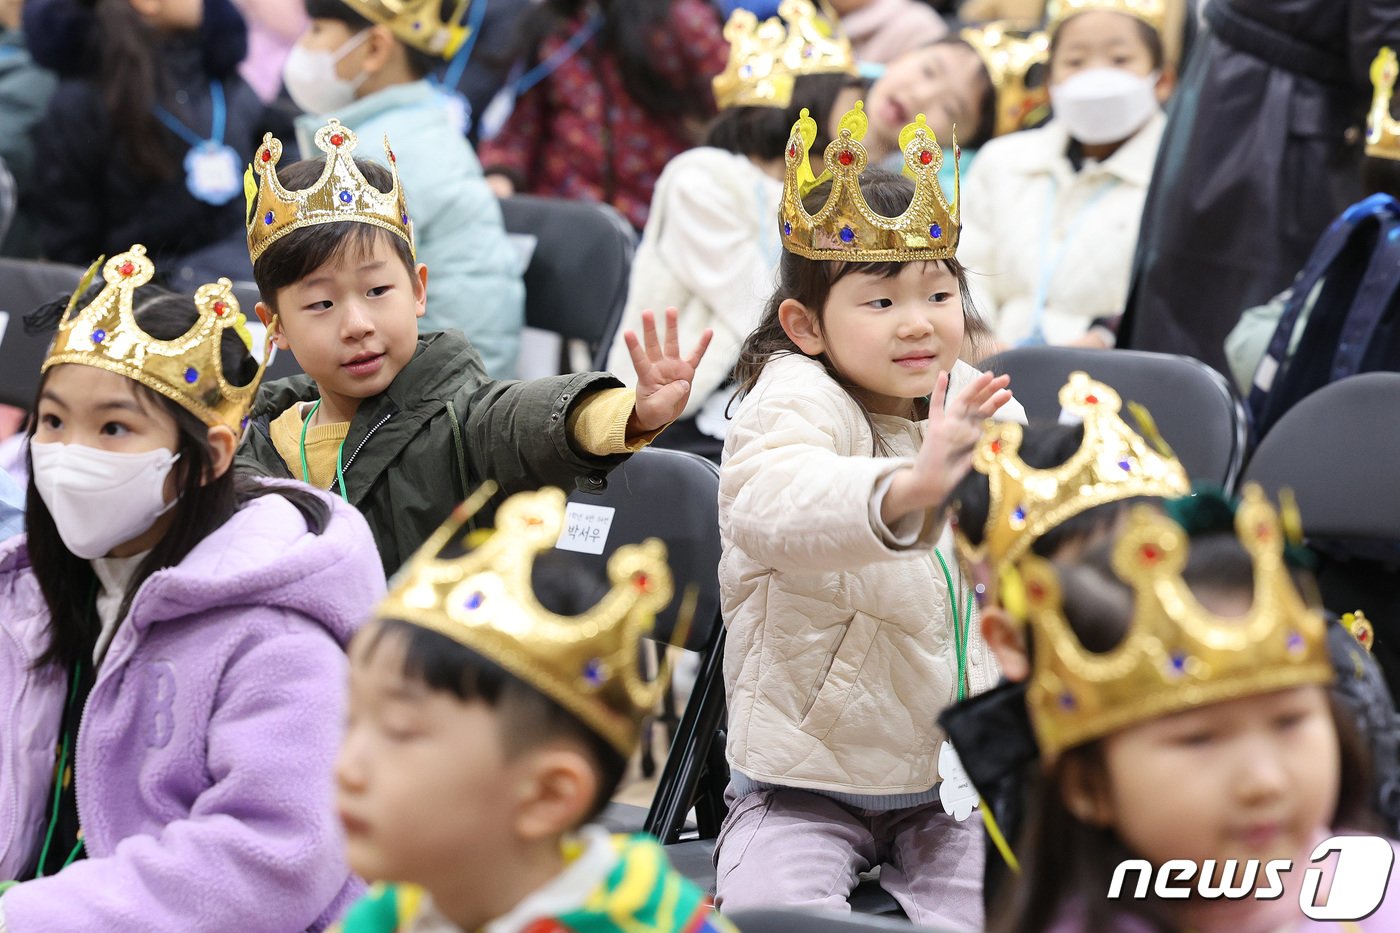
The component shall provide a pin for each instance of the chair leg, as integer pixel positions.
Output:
(695, 737)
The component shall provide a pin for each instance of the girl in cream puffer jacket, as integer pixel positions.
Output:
(849, 625)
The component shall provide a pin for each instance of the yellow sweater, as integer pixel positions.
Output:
(597, 425)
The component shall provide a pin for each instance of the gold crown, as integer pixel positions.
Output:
(340, 195)
(765, 59)
(1175, 655)
(1009, 54)
(1113, 463)
(846, 228)
(1382, 129)
(418, 23)
(483, 599)
(1151, 12)
(189, 369)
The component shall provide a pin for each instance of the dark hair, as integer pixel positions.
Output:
(809, 281)
(301, 252)
(1068, 864)
(131, 82)
(1149, 36)
(67, 581)
(629, 33)
(420, 63)
(1043, 445)
(762, 132)
(528, 718)
(1380, 176)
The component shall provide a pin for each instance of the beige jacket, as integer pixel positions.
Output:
(840, 651)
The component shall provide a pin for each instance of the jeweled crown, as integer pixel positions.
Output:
(1113, 463)
(1009, 54)
(1175, 655)
(1382, 129)
(846, 228)
(1151, 12)
(189, 369)
(483, 599)
(419, 23)
(340, 195)
(765, 59)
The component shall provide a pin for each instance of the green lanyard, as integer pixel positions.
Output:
(339, 451)
(58, 784)
(961, 623)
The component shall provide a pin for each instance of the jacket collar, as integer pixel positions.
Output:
(357, 113)
(1131, 164)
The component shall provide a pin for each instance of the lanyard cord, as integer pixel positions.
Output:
(58, 782)
(562, 54)
(961, 624)
(339, 452)
(1050, 261)
(216, 131)
(452, 75)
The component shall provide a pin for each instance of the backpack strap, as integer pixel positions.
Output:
(460, 448)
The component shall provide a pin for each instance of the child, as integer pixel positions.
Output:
(1178, 696)
(847, 630)
(491, 718)
(175, 131)
(1055, 211)
(175, 638)
(615, 89)
(710, 248)
(367, 63)
(414, 422)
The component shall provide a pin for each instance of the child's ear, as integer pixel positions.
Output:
(556, 794)
(1166, 83)
(272, 323)
(380, 46)
(222, 444)
(1084, 792)
(800, 324)
(420, 288)
(1007, 641)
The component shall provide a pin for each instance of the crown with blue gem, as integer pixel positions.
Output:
(1113, 463)
(419, 23)
(340, 195)
(1175, 655)
(483, 598)
(766, 58)
(845, 227)
(189, 369)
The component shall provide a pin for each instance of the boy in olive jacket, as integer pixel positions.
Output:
(404, 425)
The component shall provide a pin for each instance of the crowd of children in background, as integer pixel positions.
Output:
(300, 654)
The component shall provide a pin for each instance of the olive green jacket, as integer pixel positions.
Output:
(441, 429)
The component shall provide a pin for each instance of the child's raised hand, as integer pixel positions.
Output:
(663, 375)
(946, 455)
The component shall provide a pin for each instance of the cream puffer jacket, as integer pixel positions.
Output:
(840, 651)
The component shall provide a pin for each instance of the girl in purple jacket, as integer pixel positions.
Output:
(172, 639)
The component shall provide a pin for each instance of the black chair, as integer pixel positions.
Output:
(674, 496)
(24, 285)
(1194, 406)
(576, 283)
(797, 921)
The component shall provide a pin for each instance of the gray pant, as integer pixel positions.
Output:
(793, 848)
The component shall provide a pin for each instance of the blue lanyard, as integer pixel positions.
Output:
(452, 76)
(1050, 263)
(551, 64)
(216, 132)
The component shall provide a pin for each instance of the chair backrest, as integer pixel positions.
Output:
(576, 282)
(1194, 406)
(773, 920)
(673, 496)
(1335, 450)
(24, 285)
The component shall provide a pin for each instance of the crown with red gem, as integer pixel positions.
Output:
(340, 195)
(1382, 129)
(1151, 12)
(1009, 54)
(419, 23)
(482, 598)
(189, 369)
(1175, 655)
(765, 59)
(846, 228)
(1113, 463)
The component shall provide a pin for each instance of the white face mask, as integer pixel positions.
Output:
(100, 499)
(1104, 105)
(312, 82)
